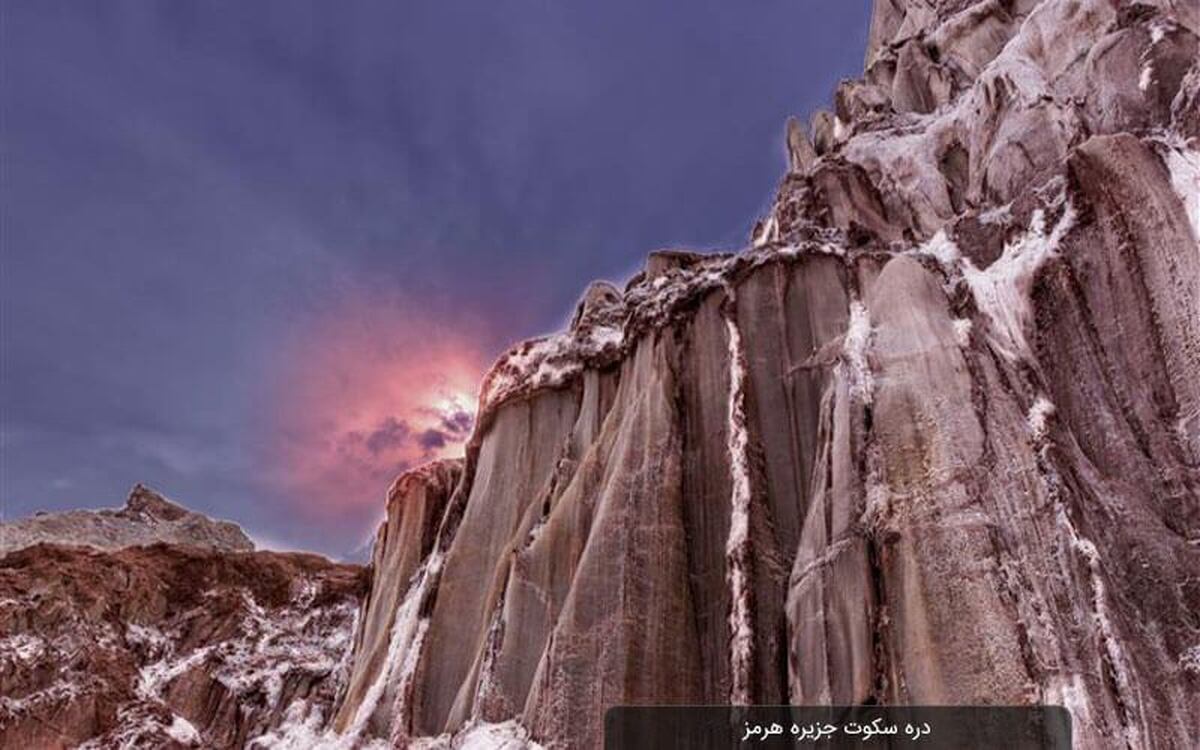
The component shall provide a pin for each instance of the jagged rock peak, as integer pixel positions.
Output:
(801, 153)
(600, 305)
(966, 106)
(146, 518)
(144, 501)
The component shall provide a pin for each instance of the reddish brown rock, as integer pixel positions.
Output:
(167, 646)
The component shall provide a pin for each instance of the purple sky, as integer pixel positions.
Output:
(230, 227)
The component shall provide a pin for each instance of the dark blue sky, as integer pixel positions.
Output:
(215, 213)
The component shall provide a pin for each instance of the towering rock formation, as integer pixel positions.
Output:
(934, 438)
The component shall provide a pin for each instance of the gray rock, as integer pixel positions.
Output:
(146, 518)
(919, 84)
(801, 153)
(861, 102)
(1185, 109)
(822, 128)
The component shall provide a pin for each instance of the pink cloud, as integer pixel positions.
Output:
(368, 391)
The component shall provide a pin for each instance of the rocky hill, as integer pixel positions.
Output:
(146, 518)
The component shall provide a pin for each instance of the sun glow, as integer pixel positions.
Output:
(365, 395)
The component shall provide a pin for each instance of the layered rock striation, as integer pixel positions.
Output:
(934, 438)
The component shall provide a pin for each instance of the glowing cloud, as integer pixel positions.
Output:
(365, 393)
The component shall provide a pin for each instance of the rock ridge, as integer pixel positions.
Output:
(146, 518)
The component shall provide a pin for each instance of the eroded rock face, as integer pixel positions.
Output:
(934, 438)
(415, 508)
(169, 646)
(146, 518)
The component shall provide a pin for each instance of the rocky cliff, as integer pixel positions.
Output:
(934, 437)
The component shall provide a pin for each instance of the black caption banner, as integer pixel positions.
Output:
(827, 727)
